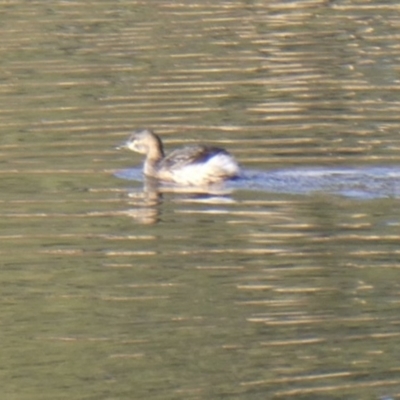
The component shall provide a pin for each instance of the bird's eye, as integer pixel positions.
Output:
(140, 147)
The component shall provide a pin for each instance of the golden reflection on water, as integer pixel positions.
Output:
(145, 293)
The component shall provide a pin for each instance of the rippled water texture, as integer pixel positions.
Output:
(362, 183)
(282, 285)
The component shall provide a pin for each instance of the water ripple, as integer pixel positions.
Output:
(359, 183)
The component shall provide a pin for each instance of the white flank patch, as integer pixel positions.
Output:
(217, 168)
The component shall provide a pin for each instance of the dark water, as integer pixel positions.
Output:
(284, 285)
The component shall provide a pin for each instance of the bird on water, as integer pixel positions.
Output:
(195, 165)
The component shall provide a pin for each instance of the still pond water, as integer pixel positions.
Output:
(288, 289)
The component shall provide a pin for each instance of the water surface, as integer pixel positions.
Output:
(285, 291)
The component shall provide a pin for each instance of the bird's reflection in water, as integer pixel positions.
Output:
(147, 200)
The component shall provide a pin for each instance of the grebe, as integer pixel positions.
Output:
(192, 165)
